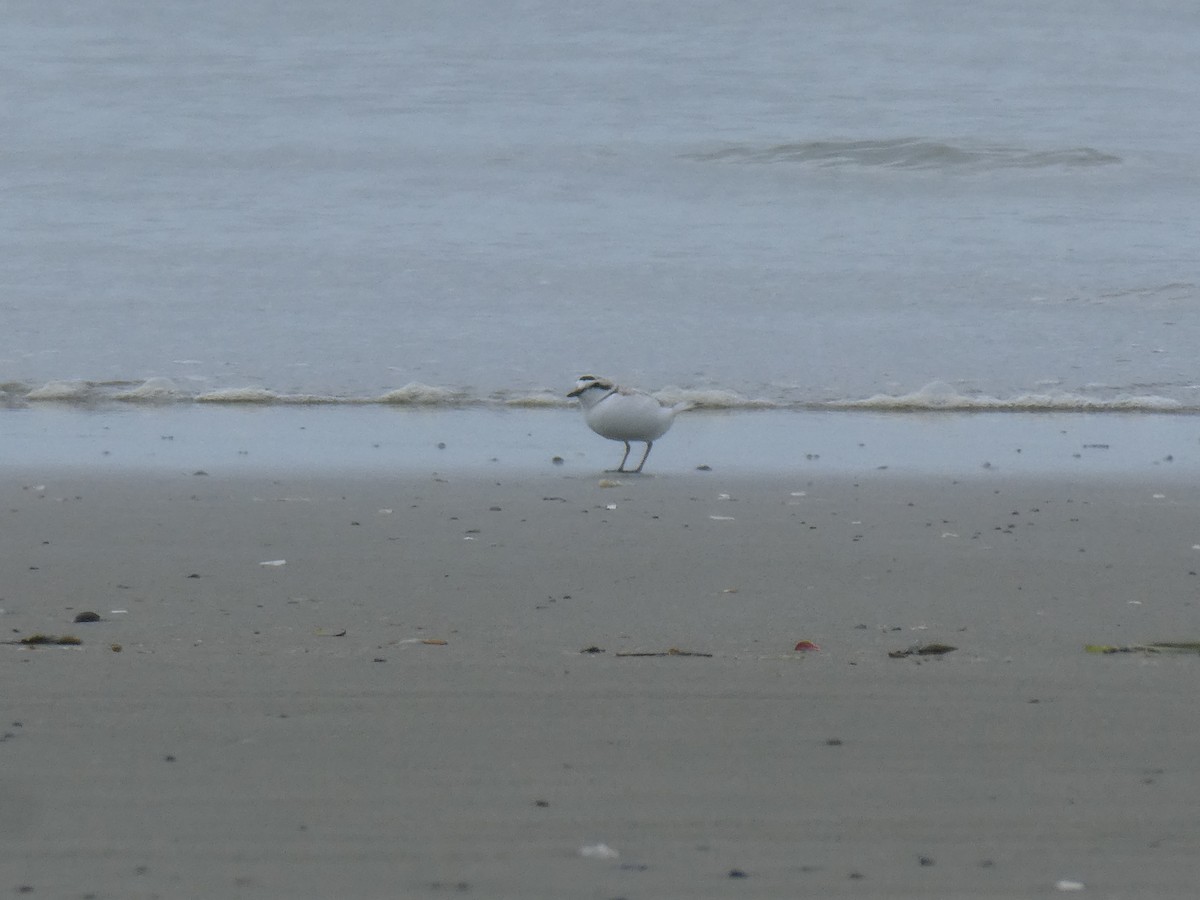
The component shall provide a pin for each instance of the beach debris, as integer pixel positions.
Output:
(592, 649)
(557, 460)
(1176, 646)
(598, 851)
(434, 642)
(722, 518)
(738, 873)
(608, 483)
(87, 617)
(115, 648)
(274, 562)
(43, 640)
(806, 645)
(330, 632)
(673, 651)
(922, 650)
(1152, 647)
(1065, 884)
(704, 467)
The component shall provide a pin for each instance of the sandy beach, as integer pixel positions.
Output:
(369, 685)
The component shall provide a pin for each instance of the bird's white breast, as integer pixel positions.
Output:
(629, 417)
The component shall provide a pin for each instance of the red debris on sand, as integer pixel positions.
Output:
(807, 645)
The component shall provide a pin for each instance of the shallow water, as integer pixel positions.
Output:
(286, 440)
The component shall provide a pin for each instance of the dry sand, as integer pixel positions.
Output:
(282, 731)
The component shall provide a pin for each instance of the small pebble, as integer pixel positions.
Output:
(598, 851)
(87, 617)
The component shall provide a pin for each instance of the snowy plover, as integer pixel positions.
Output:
(624, 414)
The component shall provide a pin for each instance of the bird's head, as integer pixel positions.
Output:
(590, 388)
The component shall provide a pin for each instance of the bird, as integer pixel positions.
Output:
(624, 414)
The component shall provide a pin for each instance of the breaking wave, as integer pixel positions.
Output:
(934, 397)
(941, 397)
(907, 153)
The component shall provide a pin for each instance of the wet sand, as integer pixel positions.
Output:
(289, 731)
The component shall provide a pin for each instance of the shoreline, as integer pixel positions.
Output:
(251, 440)
(298, 729)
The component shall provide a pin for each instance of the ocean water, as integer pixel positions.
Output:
(893, 205)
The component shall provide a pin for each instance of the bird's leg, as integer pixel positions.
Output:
(645, 456)
(621, 467)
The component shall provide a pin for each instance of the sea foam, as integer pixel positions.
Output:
(417, 394)
(61, 392)
(153, 390)
(939, 396)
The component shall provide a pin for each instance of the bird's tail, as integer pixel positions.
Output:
(682, 407)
